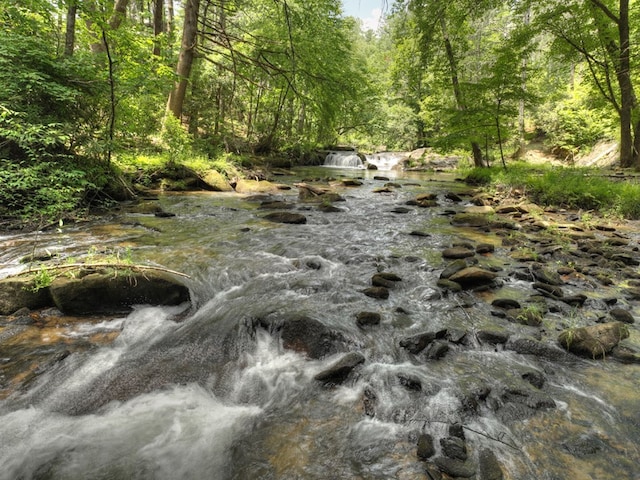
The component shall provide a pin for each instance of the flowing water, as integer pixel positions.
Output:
(376, 161)
(204, 392)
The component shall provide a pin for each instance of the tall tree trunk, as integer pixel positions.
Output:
(70, 33)
(185, 61)
(620, 56)
(169, 25)
(117, 16)
(523, 76)
(158, 25)
(627, 97)
(457, 91)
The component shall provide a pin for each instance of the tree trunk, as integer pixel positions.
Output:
(457, 92)
(185, 61)
(70, 34)
(158, 25)
(453, 66)
(477, 155)
(523, 75)
(620, 57)
(118, 15)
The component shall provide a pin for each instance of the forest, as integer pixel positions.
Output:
(93, 88)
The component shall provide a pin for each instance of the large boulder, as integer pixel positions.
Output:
(216, 181)
(594, 341)
(113, 293)
(19, 292)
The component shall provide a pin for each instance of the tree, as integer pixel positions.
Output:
(600, 31)
(185, 60)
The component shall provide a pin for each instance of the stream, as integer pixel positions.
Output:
(208, 390)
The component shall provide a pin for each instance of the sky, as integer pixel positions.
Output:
(367, 10)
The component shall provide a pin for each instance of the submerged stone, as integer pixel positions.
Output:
(365, 319)
(488, 465)
(426, 449)
(621, 315)
(338, 371)
(286, 217)
(381, 293)
(310, 336)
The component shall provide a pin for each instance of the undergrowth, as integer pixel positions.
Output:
(574, 188)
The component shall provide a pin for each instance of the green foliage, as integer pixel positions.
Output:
(576, 188)
(572, 124)
(176, 139)
(42, 190)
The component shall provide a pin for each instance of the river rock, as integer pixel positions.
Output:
(553, 290)
(365, 319)
(621, 315)
(338, 371)
(329, 208)
(111, 293)
(520, 401)
(446, 284)
(455, 467)
(385, 279)
(493, 336)
(18, 292)
(525, 316)
(470, 220)
(416, 343)
(574, 300)
(488, 465)
(453, 267)
(594, 341)
(275, 205)
(380, 293)
(545, 275)
(506, 303)
(531, 346)
(244, 185)
(454, 447)
(473, 276)
(584, 445)
(457, 253)
(426, 449)
(436, 350)
(625, 355)
(311, 337)
(410, 382)
(286, 217)
(535, 378)
(484, 248)
(216, 181)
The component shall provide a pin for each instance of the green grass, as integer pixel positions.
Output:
(567, 187)
(224, 163)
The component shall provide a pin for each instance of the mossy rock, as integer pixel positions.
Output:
(255, 186)
(217, 181)
(18, 292)
(113, 293)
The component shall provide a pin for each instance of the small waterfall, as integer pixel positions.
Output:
(346, 159)
(384, 160)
